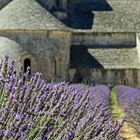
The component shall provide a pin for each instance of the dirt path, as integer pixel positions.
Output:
(127, 132)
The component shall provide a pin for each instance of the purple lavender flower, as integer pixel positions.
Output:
(129, 99)
(18, 116)
(71, 134)
(1, 120)
(33, 109)
(12, 96)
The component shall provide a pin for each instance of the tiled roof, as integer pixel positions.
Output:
(27, 14)
(124, 17)
(114, 58)
(107, 58)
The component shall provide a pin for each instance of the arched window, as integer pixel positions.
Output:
(125, 81)
(27, 63)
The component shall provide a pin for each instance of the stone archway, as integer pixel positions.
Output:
(30, 61)
(27, 64)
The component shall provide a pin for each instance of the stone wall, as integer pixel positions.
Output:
(129, 77)
(119, 41)
(138, 44)
(49, 52)
(104, 39)
(42, 48)
(10, 47)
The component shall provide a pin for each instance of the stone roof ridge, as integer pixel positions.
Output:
(28, 15)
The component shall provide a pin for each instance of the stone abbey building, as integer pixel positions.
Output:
(90, 41)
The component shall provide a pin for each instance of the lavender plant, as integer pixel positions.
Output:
(129, 99)
(126, 94)
(36, 110)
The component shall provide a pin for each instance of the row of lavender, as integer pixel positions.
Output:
(129, 99)
(34, 110)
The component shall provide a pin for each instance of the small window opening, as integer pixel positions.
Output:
(86, 82)
(125, 81)
(55, 71)
(27, 63)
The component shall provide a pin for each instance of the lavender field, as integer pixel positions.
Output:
(129, 100)
(36, 110)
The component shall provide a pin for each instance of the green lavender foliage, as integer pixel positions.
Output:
(31, 109)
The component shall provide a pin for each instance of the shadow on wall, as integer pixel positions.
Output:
(80, 12)
(81, 58)
(3, 3)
